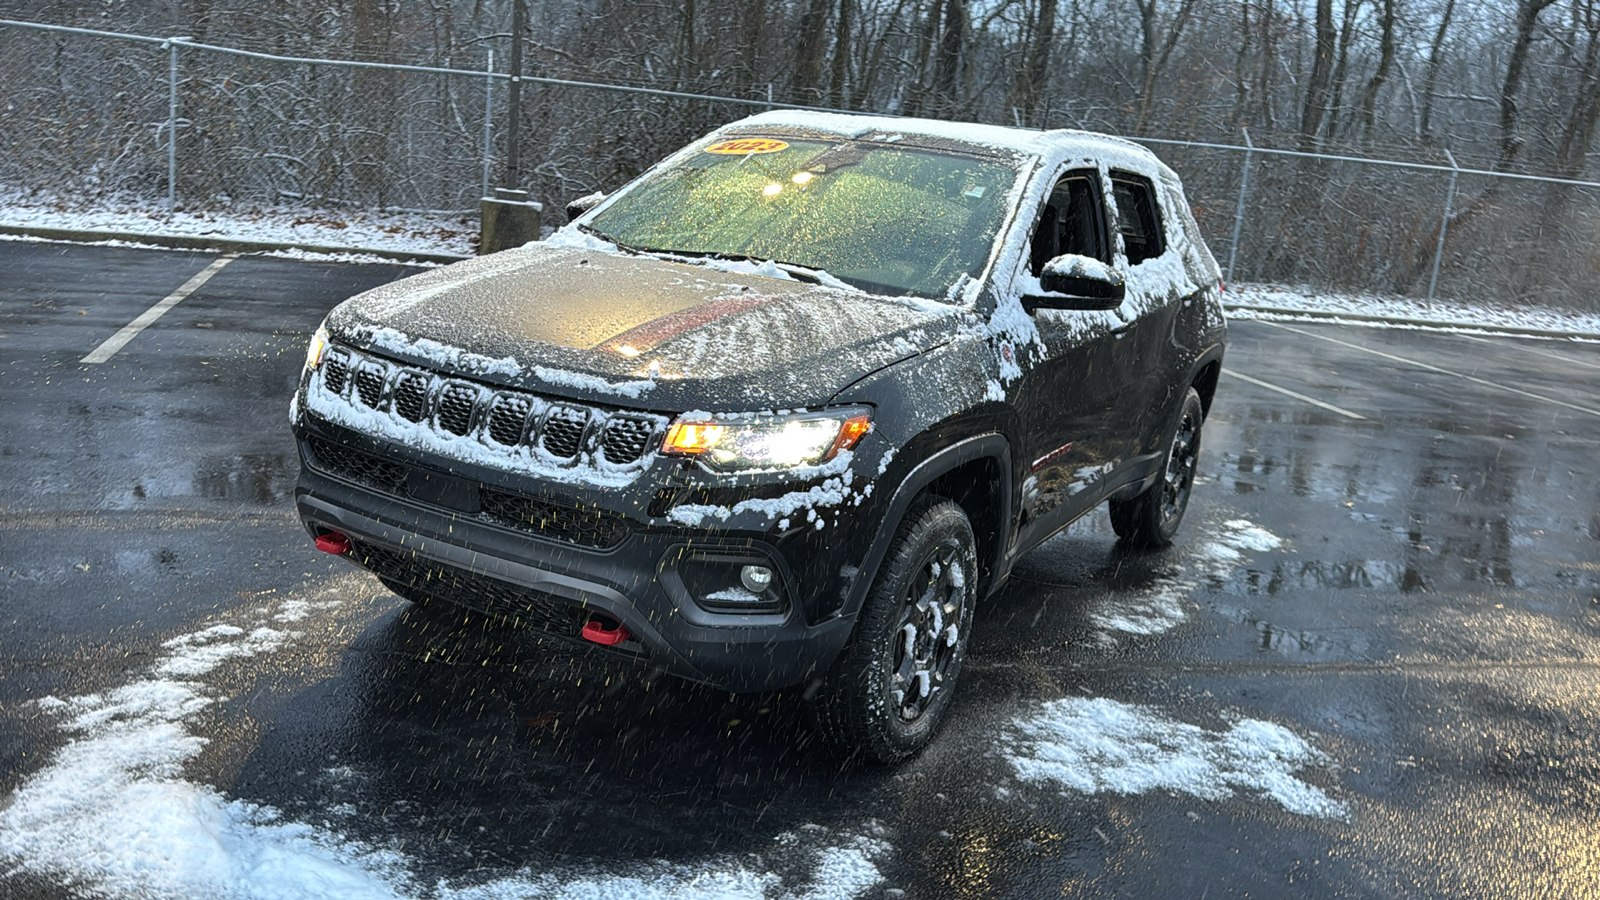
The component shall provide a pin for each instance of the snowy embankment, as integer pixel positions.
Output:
(364, 235)
(1270, 301)
(357, 233)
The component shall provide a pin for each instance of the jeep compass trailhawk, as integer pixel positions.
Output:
(782, 410)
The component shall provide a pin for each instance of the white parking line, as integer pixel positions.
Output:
(1301, 397)
(1540, 351)
(131, 330)
(1422, 365)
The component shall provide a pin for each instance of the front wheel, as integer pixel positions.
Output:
(1151, 519)
(885, 697)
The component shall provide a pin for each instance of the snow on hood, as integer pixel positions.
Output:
(610, 327)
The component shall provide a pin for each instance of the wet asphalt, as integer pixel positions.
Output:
(1430, 624)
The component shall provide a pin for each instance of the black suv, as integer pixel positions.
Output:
(783, 409)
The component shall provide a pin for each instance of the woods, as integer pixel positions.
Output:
(1508, 87)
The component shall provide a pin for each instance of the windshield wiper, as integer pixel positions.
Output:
(807, 274)
(638, 250)
(626, 248)
(801, 273)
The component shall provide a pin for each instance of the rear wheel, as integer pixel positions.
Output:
(885, 697)
(1151, 519)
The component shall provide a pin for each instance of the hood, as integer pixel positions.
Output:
(640, 331)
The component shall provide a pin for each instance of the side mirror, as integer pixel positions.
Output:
(578, 207)
(1078, 282)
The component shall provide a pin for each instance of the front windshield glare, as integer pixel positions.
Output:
(885, 218)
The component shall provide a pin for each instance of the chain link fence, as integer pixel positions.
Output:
(92, 112)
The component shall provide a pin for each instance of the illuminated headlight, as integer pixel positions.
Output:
(318, 348)
(767, 441)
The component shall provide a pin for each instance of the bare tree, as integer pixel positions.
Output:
(1435, 62)
(1511, 140)
(1386, 55)
(1155, 48)
(1316, 98)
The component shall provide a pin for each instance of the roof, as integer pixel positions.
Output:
(1059, 142)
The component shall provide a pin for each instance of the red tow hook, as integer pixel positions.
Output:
(595, 630)
(333, 542)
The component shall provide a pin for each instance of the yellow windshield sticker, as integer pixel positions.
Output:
(747, 146)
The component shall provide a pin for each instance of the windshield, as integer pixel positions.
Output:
(882, 217)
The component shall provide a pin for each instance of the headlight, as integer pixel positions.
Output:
(767, 441)
(318, 348)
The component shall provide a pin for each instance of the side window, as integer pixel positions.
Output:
(1072, 221)
(1138, 217)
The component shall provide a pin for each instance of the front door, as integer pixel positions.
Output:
(1073, 431)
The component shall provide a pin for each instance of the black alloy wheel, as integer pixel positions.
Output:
(930, 614)
(885, 697)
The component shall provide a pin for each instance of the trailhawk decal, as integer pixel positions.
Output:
(747, 146)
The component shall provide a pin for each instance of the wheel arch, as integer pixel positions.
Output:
(975, 473)
(1205, 381)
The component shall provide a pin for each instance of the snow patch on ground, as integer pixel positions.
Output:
(403, 232)
(842, 871)
(1441, 312)
(113, 813)
(1098, 745)
(1159, 607)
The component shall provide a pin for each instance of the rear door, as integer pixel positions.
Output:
(1156, 281)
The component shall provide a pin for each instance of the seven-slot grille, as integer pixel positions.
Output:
(567, 432)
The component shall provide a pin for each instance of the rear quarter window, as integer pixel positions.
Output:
(1138, 217)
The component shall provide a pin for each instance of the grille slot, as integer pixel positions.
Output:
(626, 438)
(455, 407)
(411, 396)
(563, 431)
(358, 466)
(423, 580)
(508, 415)
(574, 525)
(336, 372)
(369, 382)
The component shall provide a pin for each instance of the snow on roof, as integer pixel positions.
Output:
(1021, 140)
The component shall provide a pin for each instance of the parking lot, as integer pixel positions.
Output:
(1367, 668)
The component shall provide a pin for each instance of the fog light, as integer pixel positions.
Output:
(756, 579)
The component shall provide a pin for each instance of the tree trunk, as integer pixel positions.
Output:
(1341, 69)
(1241, 91)
(949, 58)
(1316, 100)
(1435, 62)
(837, 93)
(1269, 61)
(808, 51)
(1577, 138)
(1527, 22)
(1386, 51)
(1155, 50)
(1034, 74)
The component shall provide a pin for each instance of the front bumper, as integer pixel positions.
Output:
(553, 586)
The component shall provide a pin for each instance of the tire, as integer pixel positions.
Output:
(1151, 519)
(886, 696)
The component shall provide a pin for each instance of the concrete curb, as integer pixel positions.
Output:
(1398, 320)
(220, 244)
